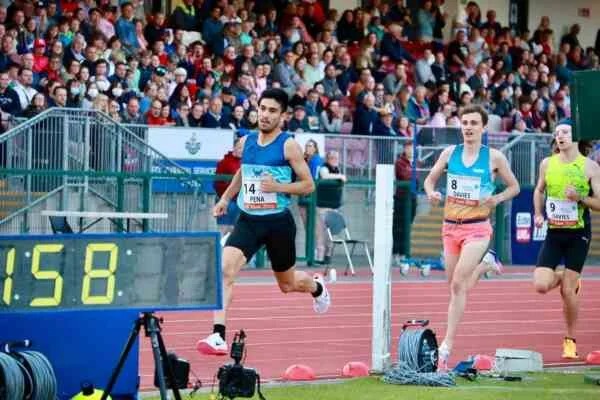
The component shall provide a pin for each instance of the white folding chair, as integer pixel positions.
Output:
(338, 233)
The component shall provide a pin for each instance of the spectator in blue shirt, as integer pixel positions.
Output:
(125, 28)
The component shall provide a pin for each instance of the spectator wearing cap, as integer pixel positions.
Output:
(228, 97)
(299, 121)
(125, 28)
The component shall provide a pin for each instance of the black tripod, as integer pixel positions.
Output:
(152, 330)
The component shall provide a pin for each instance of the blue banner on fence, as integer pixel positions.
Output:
(526, 239)
(184, 184)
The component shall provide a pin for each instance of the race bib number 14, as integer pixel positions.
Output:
(254, 198)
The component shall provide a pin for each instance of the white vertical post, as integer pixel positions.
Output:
(382, 288)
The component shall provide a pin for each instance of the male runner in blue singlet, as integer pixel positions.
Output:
(265, 182)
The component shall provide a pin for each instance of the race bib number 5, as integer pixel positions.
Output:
(562, 212)
(254, 198)
(463, 190)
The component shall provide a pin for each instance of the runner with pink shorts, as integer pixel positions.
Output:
(471, 171)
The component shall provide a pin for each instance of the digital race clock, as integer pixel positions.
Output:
(147, 272)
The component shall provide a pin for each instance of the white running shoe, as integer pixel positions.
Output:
(332, 275)
(213, 345)
(443, 357)
(321, 304)
(404, 268)
(492, 260)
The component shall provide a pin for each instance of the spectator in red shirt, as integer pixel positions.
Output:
(403, 167)
(40, 61)
(229, 165)
(154, 116)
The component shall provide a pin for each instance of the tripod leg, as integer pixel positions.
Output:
(169, 371)
(152, 330)
(122, 358)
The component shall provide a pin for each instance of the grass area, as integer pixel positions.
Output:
(533, 386)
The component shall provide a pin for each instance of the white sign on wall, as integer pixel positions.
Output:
(191, 143)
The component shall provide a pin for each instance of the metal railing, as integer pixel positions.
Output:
(73, 140)
(525, 152)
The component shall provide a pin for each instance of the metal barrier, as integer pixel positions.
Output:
(126, 168)
(525, 152)
(72, 140)
(188, 210)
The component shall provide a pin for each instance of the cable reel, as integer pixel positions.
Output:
(26, 375)
(418, 348)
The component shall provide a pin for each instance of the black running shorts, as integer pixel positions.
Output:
(572, 245)
(277, 232)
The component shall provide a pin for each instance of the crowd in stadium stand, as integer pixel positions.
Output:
(377, 70)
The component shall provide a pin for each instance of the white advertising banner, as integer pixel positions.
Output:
(179, 143)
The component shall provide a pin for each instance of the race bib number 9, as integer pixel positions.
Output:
(562, 212)
(254, 198)
(465, 190)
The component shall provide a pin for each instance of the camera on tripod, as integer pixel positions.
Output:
(234, 379)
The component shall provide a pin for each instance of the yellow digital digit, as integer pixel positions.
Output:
(47, 275)
(91, 273)
(8, 281)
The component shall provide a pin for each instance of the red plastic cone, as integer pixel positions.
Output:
(299, 372)
(355, 369)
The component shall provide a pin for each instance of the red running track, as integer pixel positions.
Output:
(283, 329)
